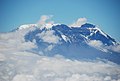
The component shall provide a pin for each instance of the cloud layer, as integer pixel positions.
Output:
(25, 66)
(17, 64)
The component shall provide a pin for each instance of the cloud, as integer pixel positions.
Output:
(79, 22)
(97, 44)
(49, 48)
(28, 66)
(45, 19)
(49, 37)
(23, 77)
(17, 64)
(2, 57)
(115, 48)
(15, 41)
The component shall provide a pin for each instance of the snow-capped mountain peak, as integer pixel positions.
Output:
(85, 41)
(25, 26)
(87, 34)
(49, 25)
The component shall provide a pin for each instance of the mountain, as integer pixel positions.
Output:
(85, 42)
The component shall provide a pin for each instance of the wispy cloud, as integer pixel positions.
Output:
(115, 48)
(45, 19)
(79, 22)
(49, 37)
(99, 45)
(95, 43)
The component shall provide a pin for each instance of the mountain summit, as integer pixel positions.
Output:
(86, 41)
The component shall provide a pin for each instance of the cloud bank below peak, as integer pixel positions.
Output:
(26, 66)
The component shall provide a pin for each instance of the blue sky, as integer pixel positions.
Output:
(105, 13)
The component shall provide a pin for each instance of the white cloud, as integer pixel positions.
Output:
(2, 57)
(49, 48)
(98, 45)
(15, 41)
(23, 77)
(16, 64)
(49, 37)
(25, 66)
(95, 43)
(45, 19)
(19, 65)
(79, 22)
(115, 48)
